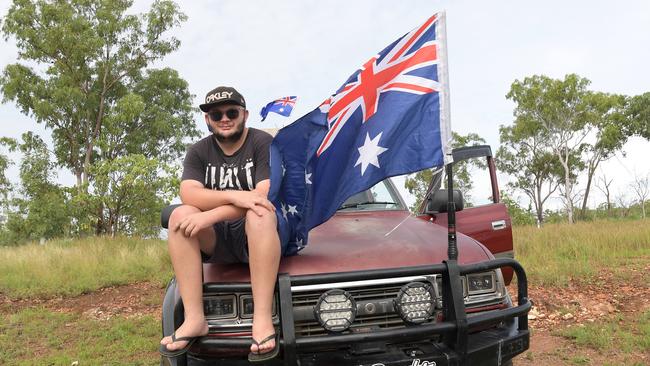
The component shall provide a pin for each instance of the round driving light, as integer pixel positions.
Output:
(415, 302)
(335, 310)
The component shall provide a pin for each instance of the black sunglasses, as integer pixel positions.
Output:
(231, 113)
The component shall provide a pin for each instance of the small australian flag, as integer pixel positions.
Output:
(282, 106)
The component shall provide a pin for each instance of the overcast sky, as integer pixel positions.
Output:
(270, 49)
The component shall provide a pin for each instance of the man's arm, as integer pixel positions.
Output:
(193, 193)
(233, 212)
(233, 204)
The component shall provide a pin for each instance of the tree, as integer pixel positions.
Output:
(638, 111)
(518, 214)
(41, 207)
(5, 184)
(641, 190)
(94, 55)
(607, 117)
(134, 184)
(524, 156)
(561, 108)
(623, 203)
(603, 185)
(418, 183)
(93, 87)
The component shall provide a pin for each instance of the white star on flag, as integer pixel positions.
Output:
(369, 152)
(284, 211)
(307, 178)
(281, 109)
(292, 210)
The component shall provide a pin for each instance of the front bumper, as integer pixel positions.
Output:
(442, 343)
(490, 347)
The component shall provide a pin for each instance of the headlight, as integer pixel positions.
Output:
(219, 307)
(415, 302)
(481, 283)
(246, 306)
(335, 310)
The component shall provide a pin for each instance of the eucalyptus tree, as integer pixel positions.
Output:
(638, 111)
(641, 188)
(39, 205)
(534, 169)
(607, 120)
(85, 71)
(562, 109)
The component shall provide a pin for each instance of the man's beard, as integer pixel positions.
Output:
(236, 135)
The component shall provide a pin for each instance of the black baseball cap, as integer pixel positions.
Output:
(222, 95)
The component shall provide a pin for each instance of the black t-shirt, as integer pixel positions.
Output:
(206, 162)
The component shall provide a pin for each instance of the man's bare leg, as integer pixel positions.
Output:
(186, 260)
(264, 258)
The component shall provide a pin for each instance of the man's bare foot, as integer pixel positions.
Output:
(262, 328)
(187, 329)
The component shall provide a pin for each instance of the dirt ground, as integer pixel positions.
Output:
(554, 309)
(608, 297)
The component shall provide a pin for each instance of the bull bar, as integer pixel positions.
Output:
(453, 330)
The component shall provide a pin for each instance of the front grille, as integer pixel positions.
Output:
(384, 318)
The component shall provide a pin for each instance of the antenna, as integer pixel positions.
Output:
(452, 248)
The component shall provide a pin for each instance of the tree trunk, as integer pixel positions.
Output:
(539, 208)
(78, 174)
(567, 195)
(569, 201)
(591, 170)
(583, 210)
(98, 123)
(100, 226)
(564, 160)
(95, 134)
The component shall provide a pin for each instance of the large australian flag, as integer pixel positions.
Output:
(391, 117)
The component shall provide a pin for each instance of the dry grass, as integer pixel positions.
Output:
(72, 267)
(557, 253)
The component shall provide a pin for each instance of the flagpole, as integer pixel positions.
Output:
(445, 134)
(453, 302)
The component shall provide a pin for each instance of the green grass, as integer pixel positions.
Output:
(614, 334)
(37, 336)
(580, 360)
(73, 267)
(557, 253)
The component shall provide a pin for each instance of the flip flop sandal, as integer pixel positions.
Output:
(261, 357)
(167, 353)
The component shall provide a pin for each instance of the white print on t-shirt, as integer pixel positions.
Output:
(228, 176)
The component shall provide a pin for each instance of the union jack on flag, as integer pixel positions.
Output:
(282, 106)
(389, 118)
(383, 73)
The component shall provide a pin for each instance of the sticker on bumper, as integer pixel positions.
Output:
(415, 362)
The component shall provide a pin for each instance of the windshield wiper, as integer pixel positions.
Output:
(359, 204)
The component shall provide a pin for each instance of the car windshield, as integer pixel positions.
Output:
(382, 196)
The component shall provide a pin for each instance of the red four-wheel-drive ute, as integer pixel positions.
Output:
(378, 285)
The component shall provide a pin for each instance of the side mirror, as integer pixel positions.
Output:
(437, 203)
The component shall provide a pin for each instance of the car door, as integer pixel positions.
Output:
(488, 222)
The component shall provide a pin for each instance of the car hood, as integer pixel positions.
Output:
(352, 241)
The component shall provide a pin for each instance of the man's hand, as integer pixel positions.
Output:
(252, 200)
(192, 224)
